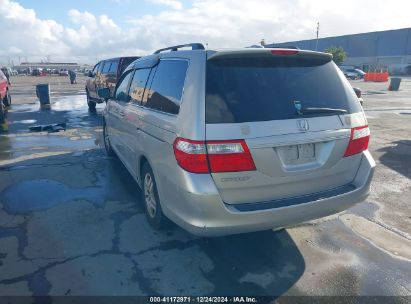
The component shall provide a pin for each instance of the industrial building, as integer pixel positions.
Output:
(48, 65)
(375, 50)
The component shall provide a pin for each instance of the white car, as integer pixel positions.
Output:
(63, 72)
(353, 73)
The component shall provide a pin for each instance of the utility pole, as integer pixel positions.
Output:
(262, 42)
(318, 29)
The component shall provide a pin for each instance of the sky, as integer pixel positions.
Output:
(89, 30)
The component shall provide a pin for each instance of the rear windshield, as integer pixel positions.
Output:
(125, 62)
(259, 89)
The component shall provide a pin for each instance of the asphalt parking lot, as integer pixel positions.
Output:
(72, 222)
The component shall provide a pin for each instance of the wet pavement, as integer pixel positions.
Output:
(72, 222)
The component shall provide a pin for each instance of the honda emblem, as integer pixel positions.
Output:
(303, 124)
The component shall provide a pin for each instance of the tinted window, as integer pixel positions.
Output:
(125, 62)
(107, 66)
(2, 76)
(113, 67)
(138, 84)
(122, 87)
(260, 89)
(101, 66)
(167, 87)
(95, 68)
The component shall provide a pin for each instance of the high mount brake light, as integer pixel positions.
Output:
(213, 156)
(284, 52)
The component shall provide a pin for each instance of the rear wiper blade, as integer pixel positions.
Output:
(321, 110)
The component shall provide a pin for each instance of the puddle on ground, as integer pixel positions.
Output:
(72, 110)
(16, 146)
(60, 103)
(380, 236)
(24, 121)
(28, 196)
(374, 93)
(114, 183)
(55, 141)
(27, 107)
(70, 103)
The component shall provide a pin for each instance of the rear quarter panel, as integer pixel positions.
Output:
(191, 118)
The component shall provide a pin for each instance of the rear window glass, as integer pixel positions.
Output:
(259, 89)
(125, 62)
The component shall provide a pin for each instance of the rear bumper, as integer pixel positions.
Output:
(202, 212)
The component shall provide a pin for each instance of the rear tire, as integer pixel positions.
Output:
(7, 99)
(154, 213)
(91, 104)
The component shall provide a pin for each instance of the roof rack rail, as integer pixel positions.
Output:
(194, 46)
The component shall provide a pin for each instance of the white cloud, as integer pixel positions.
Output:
(222, 23)
(174, 4)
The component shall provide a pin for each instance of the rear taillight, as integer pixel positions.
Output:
(191, 155)
(359, 139)
(229, 156)
(284, 52)
(213, 156)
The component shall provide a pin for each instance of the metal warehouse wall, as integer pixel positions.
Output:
(375, 44)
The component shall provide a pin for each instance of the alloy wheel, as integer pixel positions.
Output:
(149, 195)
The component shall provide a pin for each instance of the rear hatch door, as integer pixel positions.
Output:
(290, 111)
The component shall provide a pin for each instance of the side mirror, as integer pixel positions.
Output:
(90, 74)
(357, 92)
(104, 93)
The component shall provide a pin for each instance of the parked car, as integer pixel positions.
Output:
(234, 141)
(5, 100)
(105, 75)
(353, 74)
(63, 72)
(36, 72)
(7, 73)
(4, 90)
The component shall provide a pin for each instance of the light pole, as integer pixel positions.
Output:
(318, 29)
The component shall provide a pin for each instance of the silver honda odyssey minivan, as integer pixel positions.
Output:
(239, 140)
